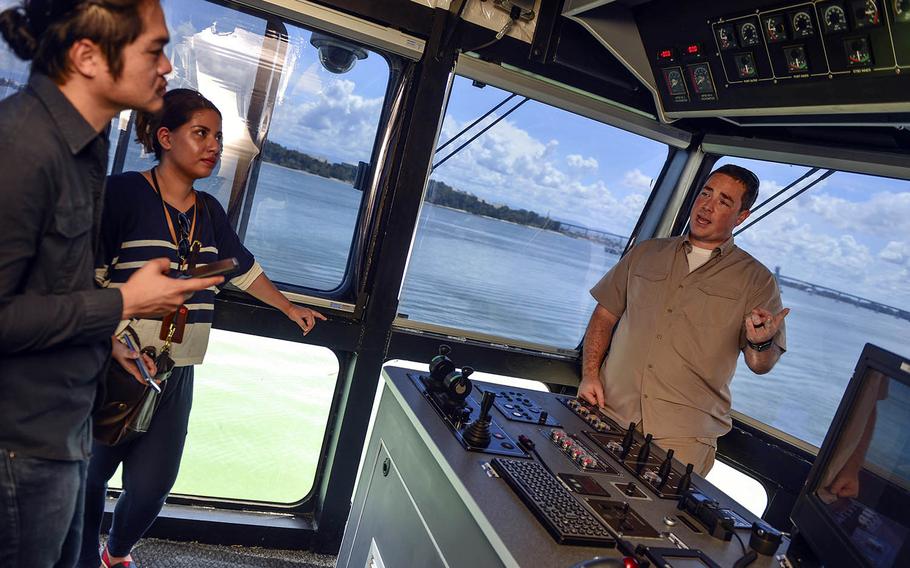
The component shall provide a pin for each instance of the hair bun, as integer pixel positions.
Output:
(18, 34)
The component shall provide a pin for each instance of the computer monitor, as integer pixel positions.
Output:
(855, 507)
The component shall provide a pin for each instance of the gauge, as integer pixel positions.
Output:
(834, 19)
(859, 54)
(726, 38)
(674, 79)
(745, 65)
(802, 25)
(775, 29)
(865, 13)
(797, 62)
(701, 78)
(748, 34)
(902, 10)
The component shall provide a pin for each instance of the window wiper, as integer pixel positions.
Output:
(489, 126)
(787, 200)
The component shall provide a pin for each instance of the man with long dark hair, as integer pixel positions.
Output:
(90, 60)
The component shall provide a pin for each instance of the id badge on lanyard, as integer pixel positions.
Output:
(173, 325)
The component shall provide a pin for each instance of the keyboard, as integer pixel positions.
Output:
(564, 517)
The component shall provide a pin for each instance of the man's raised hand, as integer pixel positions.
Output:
(762, 325)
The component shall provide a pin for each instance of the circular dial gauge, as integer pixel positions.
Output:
(802, 24)
(868, 15)
(902, 10)
(702, 79)
(749, 33)
(774, 27)
(725, 37)
(835, 19)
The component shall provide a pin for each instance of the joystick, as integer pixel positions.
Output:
(478, 432)
(664, 471)
(685, 481)
(627, 441)
(644, 453)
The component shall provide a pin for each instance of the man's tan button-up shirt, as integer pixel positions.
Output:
(679, 335)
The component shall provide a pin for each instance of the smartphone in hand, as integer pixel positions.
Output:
(146, 376)
(216, 268)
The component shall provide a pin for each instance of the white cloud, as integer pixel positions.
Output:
(896, 252)
(637, 180)
(885, 213)
(508, 165)
(580, 162)
(333, 121)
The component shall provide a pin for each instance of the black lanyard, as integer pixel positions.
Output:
(167, 216)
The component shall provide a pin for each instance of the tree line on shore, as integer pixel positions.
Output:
(438, 193)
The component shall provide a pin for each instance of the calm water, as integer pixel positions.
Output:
(495, 277)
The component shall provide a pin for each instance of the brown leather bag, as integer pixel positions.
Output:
(128, 405)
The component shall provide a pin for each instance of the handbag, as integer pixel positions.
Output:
(127, 405)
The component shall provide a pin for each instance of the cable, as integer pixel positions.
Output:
(787, 200)
(789, 186)
(529, 446)
(473, 124)
(494, 123)
(747, 559)
(514, 14)
(741, 543)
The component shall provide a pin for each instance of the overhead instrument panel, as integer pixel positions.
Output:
(749, 58)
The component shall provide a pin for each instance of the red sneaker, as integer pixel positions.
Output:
(106, 561)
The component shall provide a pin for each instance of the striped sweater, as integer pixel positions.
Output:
(134, 231)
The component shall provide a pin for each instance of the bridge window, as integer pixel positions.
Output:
(296, 131)
(518, 224)
(841, 253)
(256, 431)
(294, 134)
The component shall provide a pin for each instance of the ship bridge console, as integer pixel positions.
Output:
(464, 473)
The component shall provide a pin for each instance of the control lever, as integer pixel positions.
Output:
(685, 481)
(457, 385)
(440, 365)
(478, 432)
(764, 539)
(644, 453)
(664, 471)
(627, 441)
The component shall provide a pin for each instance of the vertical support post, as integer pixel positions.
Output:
(407, 168)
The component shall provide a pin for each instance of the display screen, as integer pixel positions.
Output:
(865, 485)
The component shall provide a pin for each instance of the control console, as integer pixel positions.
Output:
(588, 480)
(459, 472)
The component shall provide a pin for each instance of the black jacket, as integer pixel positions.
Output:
(55, 325)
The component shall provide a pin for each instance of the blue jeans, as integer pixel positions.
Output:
(41, 509)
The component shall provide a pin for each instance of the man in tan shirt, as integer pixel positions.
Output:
(675, 314)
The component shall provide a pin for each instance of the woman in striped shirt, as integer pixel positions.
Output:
(155, 214)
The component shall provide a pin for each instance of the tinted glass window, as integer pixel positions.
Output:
(841, 253)
(519, 223)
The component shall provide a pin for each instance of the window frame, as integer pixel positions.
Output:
(571, 100)
(397, 49)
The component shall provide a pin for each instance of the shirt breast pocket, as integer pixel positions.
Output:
(646, 287)
(72, 228)
(715, 306)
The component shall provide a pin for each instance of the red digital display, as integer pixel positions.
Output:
(666, 54)
(693, 49)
